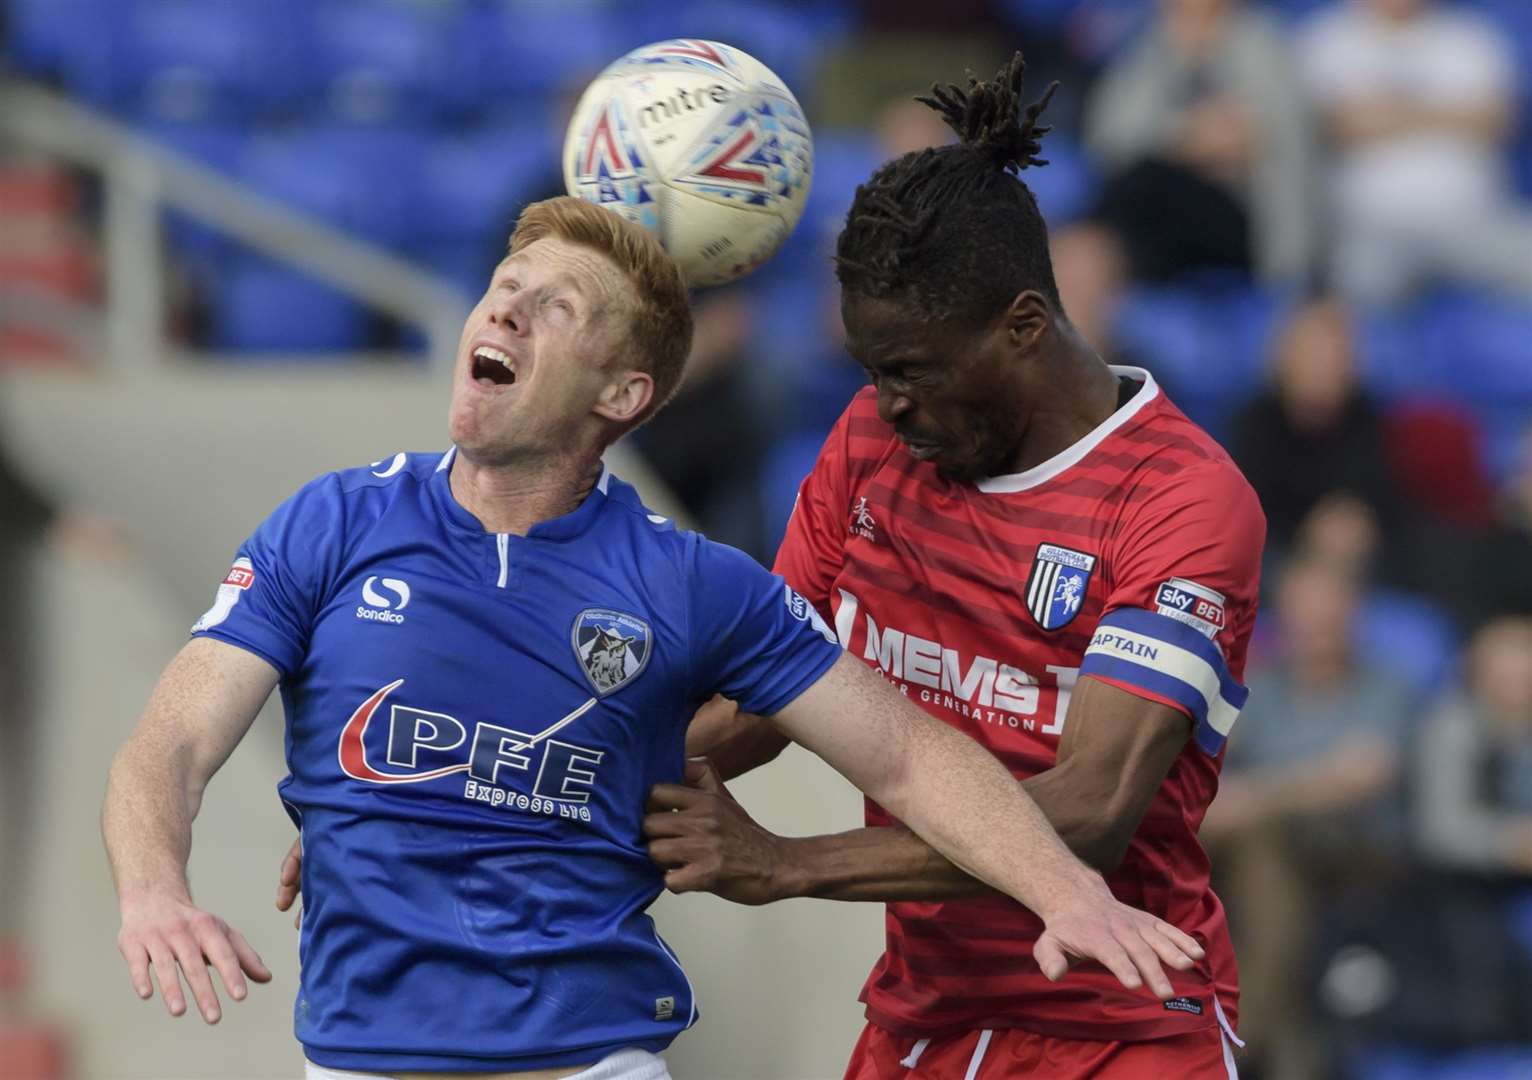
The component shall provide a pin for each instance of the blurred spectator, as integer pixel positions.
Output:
(1473, 760)
(1416, 98)
(1308, 804)
(1089, 268)
(1311, 444)
(1204, 127)
(708, 443)
(1434, 963)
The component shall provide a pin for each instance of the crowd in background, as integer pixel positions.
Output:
(1310, 219)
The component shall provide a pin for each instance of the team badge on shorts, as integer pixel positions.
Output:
(612, 647)
(1056, 589)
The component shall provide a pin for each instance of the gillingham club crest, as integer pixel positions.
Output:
(612, 647)
(1056, 589)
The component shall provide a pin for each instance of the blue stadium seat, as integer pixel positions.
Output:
(362, 179)
(1407, 636)
(473, 182)
(510, 48)
(386, 62)
(41, 33)
(1419, 1063)
(787, 463)
(1478, 347)
(259, 306)
(788, 38)
(1066, 188)
(1209, 343)
(842, 160)
(188, 60)
(472, 185)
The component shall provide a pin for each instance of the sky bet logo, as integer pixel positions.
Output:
(420, 745)
(380, 608)
(1195, 605)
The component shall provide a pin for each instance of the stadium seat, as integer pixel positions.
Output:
(507, 46)
(1067, 187)
(362, 179)
(1420, 1063)
(788, 38)
(788, 462)
(188, 60)
(40, 33)
(1208, 342)
(384, 62)
(473, 182)
(259, 306)
(1478, 347)
(1407, 636)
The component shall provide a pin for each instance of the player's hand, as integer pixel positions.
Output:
(707, 841)
(177, 938)
(1131, 944)
(290, 880)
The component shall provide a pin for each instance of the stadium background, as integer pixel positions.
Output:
(235, 234)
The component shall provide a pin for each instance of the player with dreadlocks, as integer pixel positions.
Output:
(1044, 552)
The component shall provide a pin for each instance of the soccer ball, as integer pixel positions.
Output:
(701, 144)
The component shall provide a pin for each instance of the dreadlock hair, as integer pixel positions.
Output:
(954, 229)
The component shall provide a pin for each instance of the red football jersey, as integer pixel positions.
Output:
(1132, 557)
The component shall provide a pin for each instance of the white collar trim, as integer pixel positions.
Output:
(1065, 459)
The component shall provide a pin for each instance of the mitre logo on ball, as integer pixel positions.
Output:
(701, 144)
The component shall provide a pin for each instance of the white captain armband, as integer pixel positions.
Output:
(1172, 661)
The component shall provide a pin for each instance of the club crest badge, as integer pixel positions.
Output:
(613, 648)
(1056, 589)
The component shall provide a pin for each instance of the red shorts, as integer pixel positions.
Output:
(1010, 1052)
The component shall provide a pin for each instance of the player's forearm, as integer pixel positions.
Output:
(870, 865)
(146, 821)
(962, 801)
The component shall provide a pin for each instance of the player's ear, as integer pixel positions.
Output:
(1028, 318)
(624, 399)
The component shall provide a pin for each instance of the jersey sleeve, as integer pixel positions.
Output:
(1181, 599)
(812, 552)
(753, 638)
(268, 602)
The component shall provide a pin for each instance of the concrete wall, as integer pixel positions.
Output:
(189, 462)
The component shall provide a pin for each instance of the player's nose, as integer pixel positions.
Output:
(892, 405)
(509, 312)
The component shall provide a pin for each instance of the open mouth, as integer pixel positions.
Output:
(919, 449)
(491, 367)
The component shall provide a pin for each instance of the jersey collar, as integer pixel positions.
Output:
(1073, 455)
(567, 527)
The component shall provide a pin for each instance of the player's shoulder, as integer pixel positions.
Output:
(359, 493)
(658, 544)
(392, 470)
(1182, 464)
(649, 535)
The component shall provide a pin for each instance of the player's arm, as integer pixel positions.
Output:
(733, 741)
(202, 706)
(964, 803)
(1114, 754)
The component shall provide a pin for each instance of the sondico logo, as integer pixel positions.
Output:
(380, 608)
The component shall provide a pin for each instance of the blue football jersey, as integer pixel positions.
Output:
(474, 721)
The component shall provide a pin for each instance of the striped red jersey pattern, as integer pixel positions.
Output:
(1133, 555)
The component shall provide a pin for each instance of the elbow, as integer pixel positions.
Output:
(1100, 843)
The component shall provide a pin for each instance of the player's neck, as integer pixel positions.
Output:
(511, 498)
(1082, 393)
